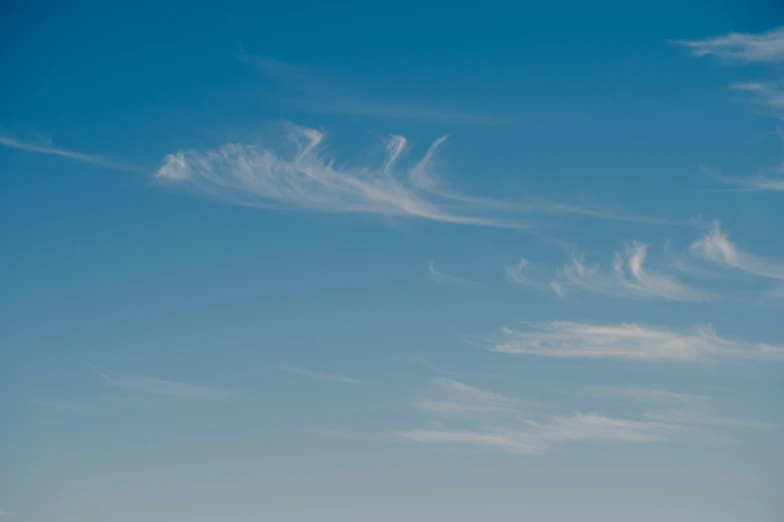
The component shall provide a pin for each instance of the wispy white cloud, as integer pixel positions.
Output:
(629, 278)
(764, 94)
(449, 279)
(309, 180)
(742, 48)
(762, 183)
(246, 175)
(329, 96)
(323, 376)
(155, 386)
(515, 274)
(4, 513)
(654, 396)
(45, 148)
(453, 397)
(683, 409)
(635, 342)
(501, 426)
(557, 287)
(716, 248)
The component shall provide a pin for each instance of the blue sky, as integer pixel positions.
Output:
(392, 262)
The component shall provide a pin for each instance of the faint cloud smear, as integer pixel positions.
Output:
(326, 96)
(453, 397)
(653, 395)
(716, 248)
(4, 513)
(634, 342)
(629, 278)
(69, 406)
(323, 376)
(765, 94)
(756, 184)
(448, 279)
(765, 47)
(154, 386)
(485, 420)
(8, 141)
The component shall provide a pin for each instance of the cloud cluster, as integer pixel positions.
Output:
(629, 278)
(740, 49)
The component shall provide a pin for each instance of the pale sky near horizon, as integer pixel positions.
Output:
(392, 262)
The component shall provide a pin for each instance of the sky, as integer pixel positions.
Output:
(410, 262)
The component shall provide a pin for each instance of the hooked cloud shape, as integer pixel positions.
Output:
(629, 278)
(310, 180)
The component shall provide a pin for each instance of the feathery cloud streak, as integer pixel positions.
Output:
(319, 94)
(765, 94)
(716, 248)
(309, 180)
(453, 397)
(8, 141)
(504, 429)
(565, 339)
(629, 278)
(766, 47)
(449, 279)
(154, 386)
(323, 376)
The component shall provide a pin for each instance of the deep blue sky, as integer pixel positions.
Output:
(236, 286)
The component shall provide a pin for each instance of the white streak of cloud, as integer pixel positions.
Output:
(565, 339)
(326, 96)
(155, 386)
(309, 180)
(515, 274)
(531, 437)
(556, 287)
(450, 397)
(8, 141)
(246, 175)
(716, 248)
(765, 94)
(323, 376)
(741, 48)
(683, 409)
(502, 428)
(755, 184)
(448, 279)
(653, 395)
(629, 279)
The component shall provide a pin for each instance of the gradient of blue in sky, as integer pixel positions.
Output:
(410, 262)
